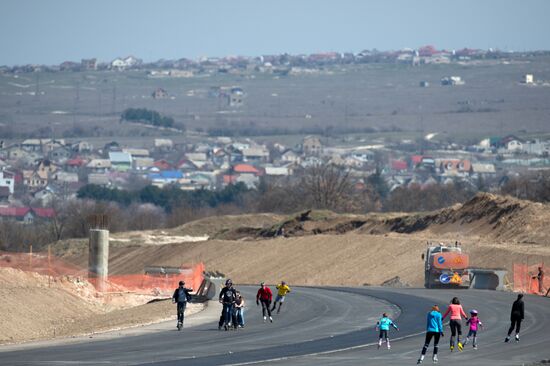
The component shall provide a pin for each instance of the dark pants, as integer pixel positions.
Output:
(227, 313)
(181, 311)
(383, 334)
(265, 307)
(429, 336)
(515, 323)
(456, 328)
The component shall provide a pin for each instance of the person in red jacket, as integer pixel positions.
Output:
(265, 296)
(457, 312)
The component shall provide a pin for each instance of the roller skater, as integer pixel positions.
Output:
(384, 326)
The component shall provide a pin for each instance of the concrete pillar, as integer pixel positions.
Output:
(98, 258)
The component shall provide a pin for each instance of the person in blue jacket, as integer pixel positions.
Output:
(434, 329)
(384, 325)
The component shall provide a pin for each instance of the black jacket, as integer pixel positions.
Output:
(176, 298)
(517, 310)
(228, 295)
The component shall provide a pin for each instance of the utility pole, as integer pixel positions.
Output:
(37, 87)
(113, 106)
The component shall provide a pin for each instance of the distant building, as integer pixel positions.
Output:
(26, 214)
(312, 145)
(88, 64)
(236, 96)
(160, 93)
(121, 161)
(7, 179)
(528, 79)
(452, 80)
(164, 144)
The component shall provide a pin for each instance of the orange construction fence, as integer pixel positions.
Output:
(526, 278)
(156, 284)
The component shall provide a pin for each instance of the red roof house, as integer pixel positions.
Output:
(399, 165)
(247, 168)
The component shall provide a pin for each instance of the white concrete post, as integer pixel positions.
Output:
(98, 258)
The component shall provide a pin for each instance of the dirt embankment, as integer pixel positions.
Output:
(37, 307)
(486, 215)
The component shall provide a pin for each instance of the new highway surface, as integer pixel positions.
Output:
(317, 326)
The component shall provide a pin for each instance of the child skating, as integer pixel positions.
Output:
(474, 324)
(384, 326)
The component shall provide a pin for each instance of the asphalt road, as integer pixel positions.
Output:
(315, 327)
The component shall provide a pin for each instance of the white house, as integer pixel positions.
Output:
(7, 180)
(514, 145)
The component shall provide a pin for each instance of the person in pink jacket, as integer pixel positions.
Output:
(457, 312)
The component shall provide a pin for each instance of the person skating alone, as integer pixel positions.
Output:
(457, 312)
(282, 290)
(180, 297)
(227, 297)
(265, 296)
(516, 316)
(474, 324)
(434, 329)
(384, 325)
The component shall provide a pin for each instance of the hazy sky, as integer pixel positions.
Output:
(53, 31)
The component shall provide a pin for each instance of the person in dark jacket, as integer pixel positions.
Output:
(516, 316)
(180, 297)
(227, 297)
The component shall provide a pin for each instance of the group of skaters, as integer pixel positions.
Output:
(233, 302)
(455, 311)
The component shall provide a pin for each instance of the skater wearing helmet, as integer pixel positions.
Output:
(434, 329)
(456, 311)
(265, 296)
(516, 316)
(282, 290)
(227, 297)
(474, 324)
(180, 297)
(384, 326)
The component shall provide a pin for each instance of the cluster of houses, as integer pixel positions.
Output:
(38, 171)
(280, 63)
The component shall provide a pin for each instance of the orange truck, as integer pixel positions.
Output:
(446, 267)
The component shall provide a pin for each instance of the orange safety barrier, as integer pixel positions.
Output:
(526, 281)
(157, 283)
(42, 263)
(154, 284)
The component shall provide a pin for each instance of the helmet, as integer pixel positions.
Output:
(473, 312)
(283, 283)
(262, 283)
(228, 282)
(182, 283)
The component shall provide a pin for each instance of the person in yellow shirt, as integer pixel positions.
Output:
(282, 290)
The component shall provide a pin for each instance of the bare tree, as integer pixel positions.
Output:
(328, 187)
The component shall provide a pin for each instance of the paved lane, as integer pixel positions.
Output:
(309, 315)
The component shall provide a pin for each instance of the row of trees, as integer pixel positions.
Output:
(169, 197)
(147, 116)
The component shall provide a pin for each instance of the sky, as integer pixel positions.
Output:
(53, 31)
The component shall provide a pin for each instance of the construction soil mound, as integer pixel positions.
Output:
(501, 218)
(41, 307)
(485, 215)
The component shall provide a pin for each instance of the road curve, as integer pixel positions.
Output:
(316, 327)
